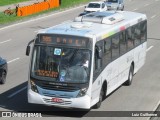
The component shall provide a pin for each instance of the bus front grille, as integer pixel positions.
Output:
(58, 87)
(55, 95)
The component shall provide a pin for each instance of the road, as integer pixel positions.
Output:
(142, 95)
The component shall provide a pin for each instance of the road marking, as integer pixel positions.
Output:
(154, 109)
(13, 60)
(5, 41)
(153, 16)
(135, 9)
(43, 17)
(15, 93)
(149, 48)
(146, 4)
(156, 106)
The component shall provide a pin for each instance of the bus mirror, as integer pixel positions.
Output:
(28, 50)
(28, 47)
(99, 53)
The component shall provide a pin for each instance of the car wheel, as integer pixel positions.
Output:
(3, 77)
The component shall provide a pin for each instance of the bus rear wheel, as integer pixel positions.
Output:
(130, 76)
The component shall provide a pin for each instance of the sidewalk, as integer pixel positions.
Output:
(21, 4)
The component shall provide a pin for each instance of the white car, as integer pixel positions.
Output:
(115, 4)
(95, 6)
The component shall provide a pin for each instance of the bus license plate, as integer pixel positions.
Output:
(57, 100)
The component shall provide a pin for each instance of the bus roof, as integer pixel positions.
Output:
(99, 24)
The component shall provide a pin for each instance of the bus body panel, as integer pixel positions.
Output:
(140, 56)
(116, 76)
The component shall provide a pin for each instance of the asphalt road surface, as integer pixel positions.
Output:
(142, 95)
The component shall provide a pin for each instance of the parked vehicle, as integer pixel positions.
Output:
(115, 4)
(96, 6)
(3, 70)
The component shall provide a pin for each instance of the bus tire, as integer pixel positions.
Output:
(130, 76)
(98, 104)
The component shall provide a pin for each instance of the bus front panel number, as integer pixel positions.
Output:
(57, 100)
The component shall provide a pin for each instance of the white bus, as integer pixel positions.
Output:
(78, 63)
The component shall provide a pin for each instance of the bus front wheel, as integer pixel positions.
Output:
(98, 104)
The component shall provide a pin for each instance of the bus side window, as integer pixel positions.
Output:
(123, 46)
(129, 38)
(137, 39)
(97, 61)
(107, 52)
(115, 46)
(143, 29)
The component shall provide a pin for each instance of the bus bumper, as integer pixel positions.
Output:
(81, 102)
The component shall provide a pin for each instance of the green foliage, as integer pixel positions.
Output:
(70, 3)
(7, 18)
(8, 2)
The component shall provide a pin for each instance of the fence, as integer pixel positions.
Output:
(37, 7)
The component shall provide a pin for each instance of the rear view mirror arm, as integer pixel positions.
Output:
(30, 42)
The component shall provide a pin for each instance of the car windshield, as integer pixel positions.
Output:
(57, 64)
(114, 1)
(94, 5)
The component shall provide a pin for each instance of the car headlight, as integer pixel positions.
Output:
(82, 92)
(33, 86)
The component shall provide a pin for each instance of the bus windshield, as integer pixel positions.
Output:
(69, 65)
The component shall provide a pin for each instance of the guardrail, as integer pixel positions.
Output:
(37, 7)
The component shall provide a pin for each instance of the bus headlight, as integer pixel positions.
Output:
(33, 86)
(82, 92)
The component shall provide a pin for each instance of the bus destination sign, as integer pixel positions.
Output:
(63, 40)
